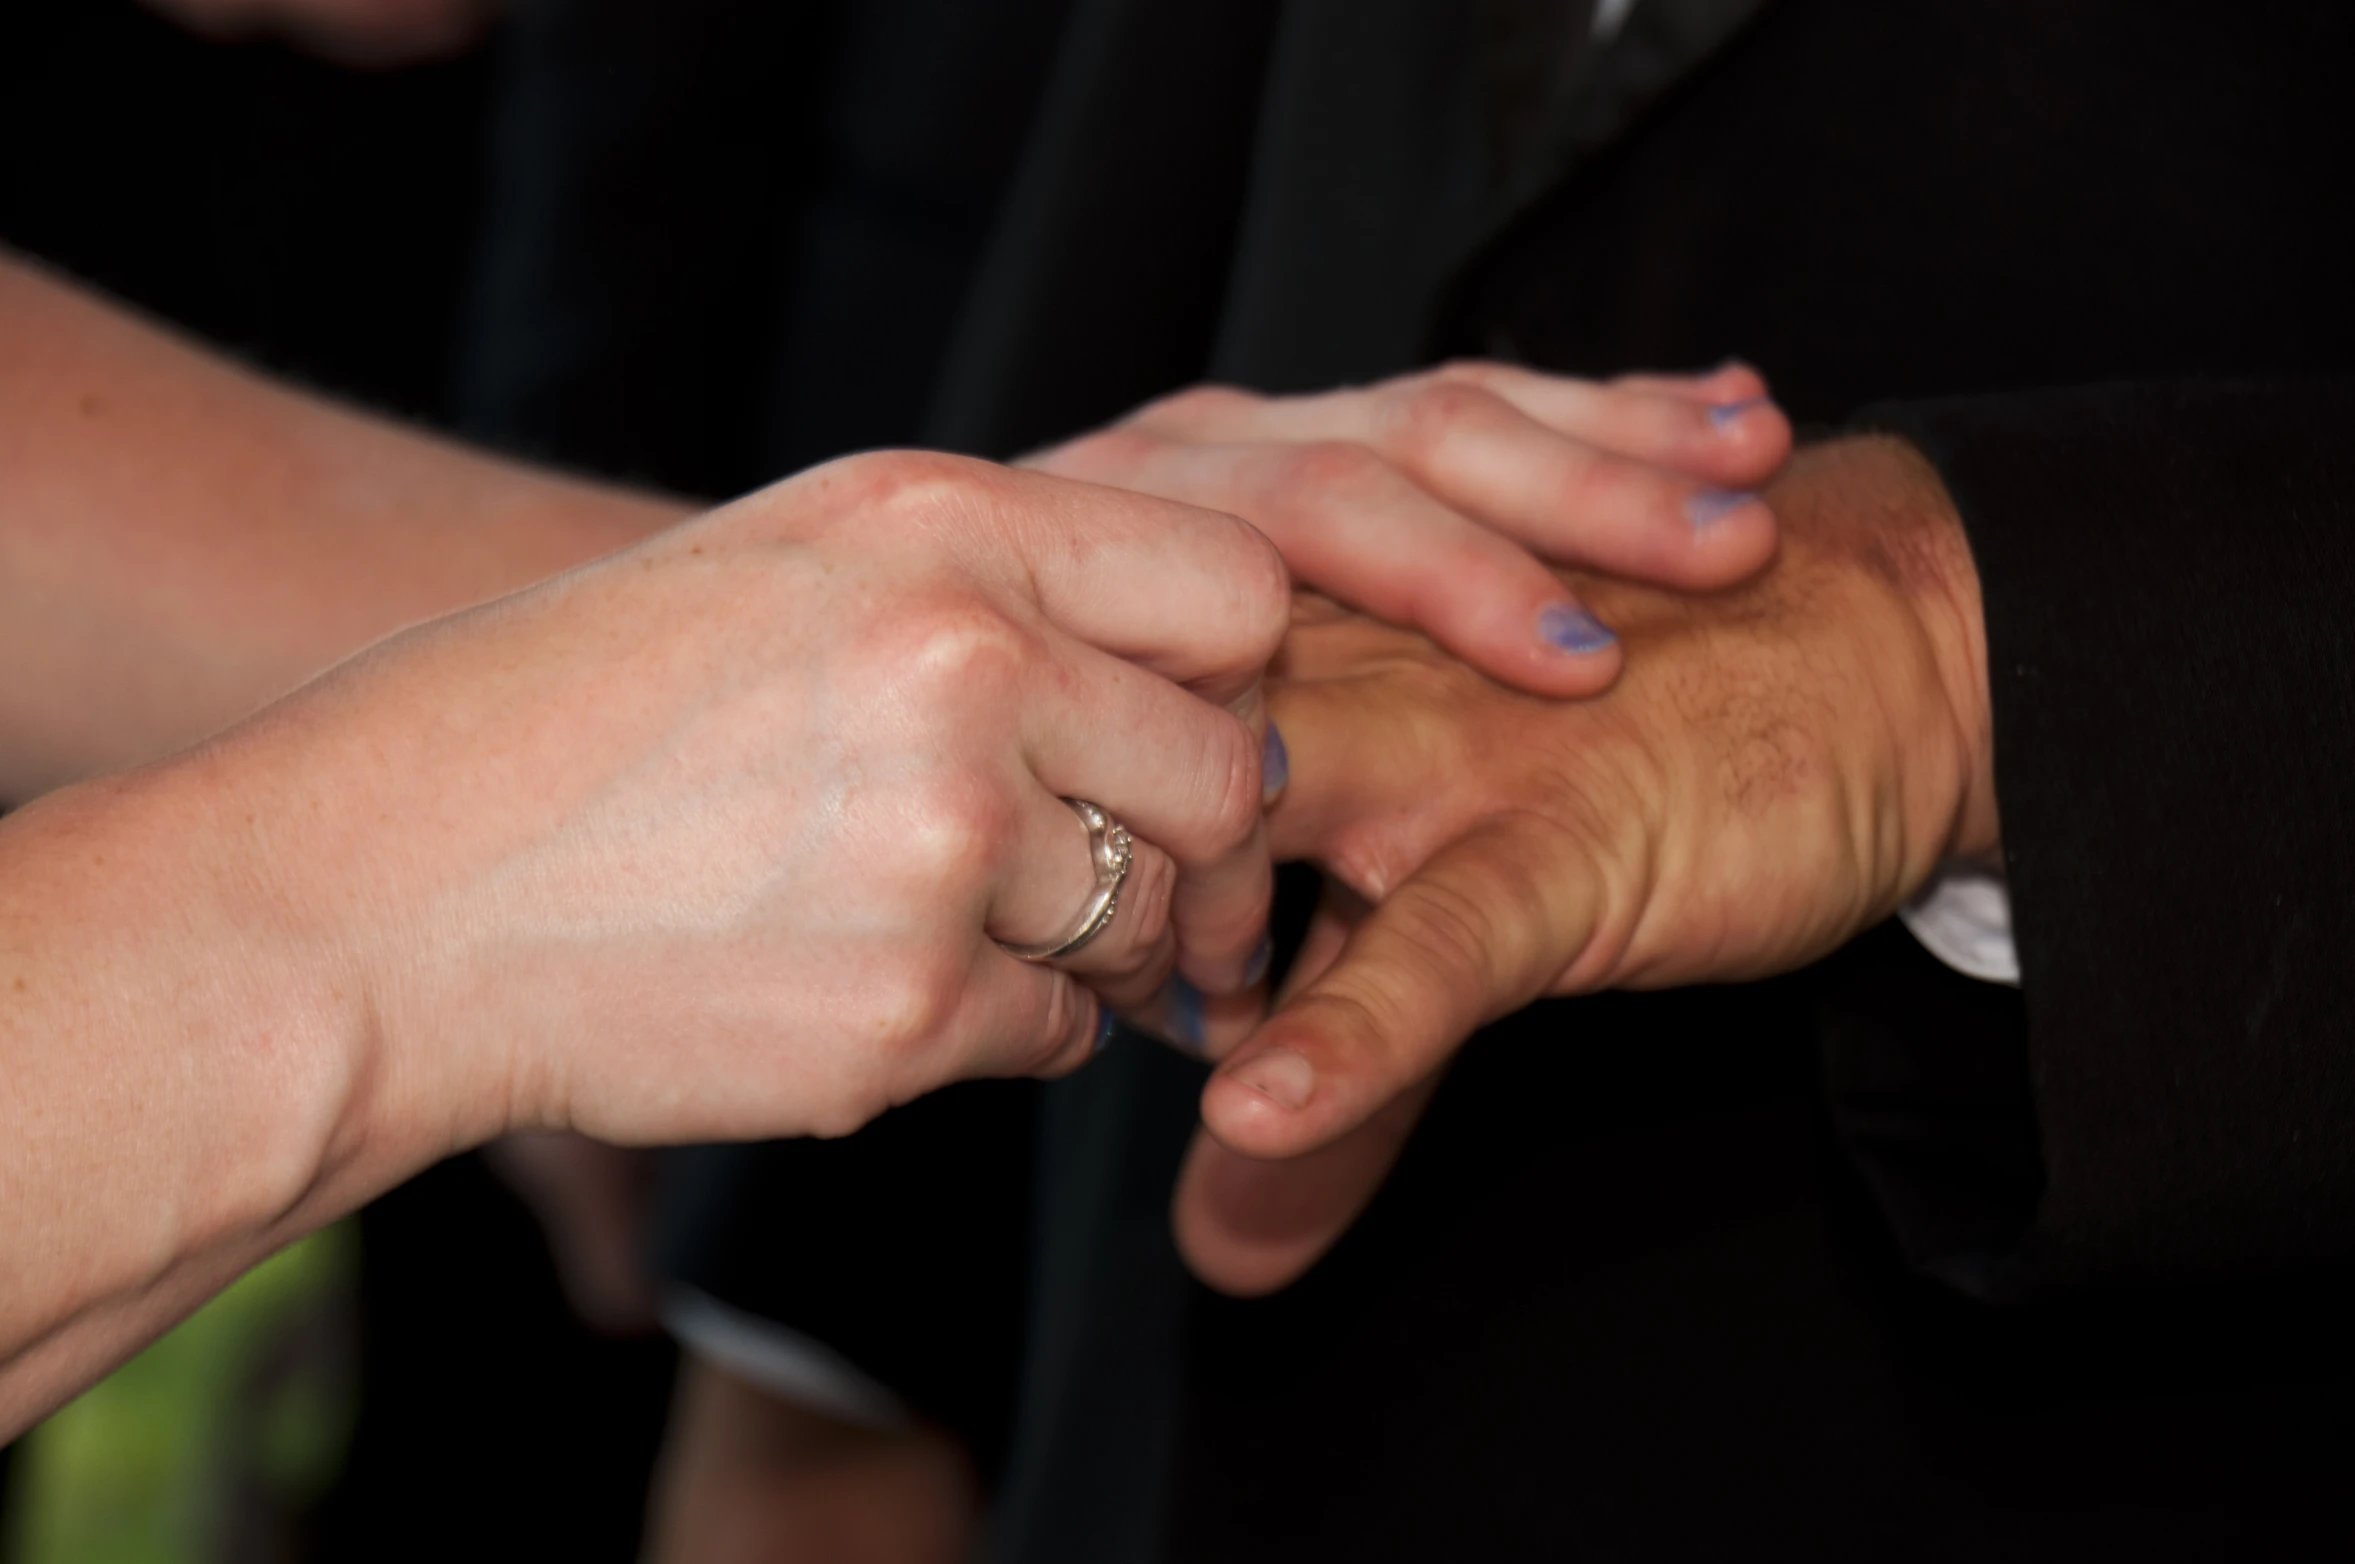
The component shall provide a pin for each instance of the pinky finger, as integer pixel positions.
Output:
(1024, 1018)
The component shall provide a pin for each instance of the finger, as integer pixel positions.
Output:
(1019, 1018)
(1480, 930)
(1248, 1227)
(1355, 527)
(1731, 381)
(1375, 787)
(1737, 442)
(1200, 1026)
(1052, 880)
(1181, 774)
(1211, 1026)
(1198, 597)
(1719, 428)
(1576, 500)
(1622, 496)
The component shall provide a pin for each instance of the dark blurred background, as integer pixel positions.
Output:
(322, 222)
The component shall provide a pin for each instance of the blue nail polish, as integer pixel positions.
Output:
(1709, 506)
(1261, 955)
(1726, 412)
(1275, 766)
(1571, 629)
(1106, 1024)
(1185, 1016)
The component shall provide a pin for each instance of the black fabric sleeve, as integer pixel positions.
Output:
(2166, 571)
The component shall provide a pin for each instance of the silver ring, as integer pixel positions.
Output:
(1111, 849)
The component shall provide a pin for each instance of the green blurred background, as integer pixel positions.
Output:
(215, 1443)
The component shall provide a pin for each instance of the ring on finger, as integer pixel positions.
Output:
(1111, 850)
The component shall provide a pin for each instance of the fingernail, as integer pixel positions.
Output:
(1106, 1024)
(1281, 1076)
(1185, 1016)
(1275, 766)
(1726, 412)
(1261, 955)
(1707, 507)
(1568, 628)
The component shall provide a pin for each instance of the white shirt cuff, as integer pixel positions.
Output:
(781, 1361)
(1964, 918)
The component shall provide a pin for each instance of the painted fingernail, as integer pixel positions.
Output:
(1281, 1076)
(1261, 956)
(1185, 1016)
(1275, 766)
(1106, 1024)
(1725, 413)
(1707, 507)
(1569, 628)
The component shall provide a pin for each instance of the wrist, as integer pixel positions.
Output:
(183, 1055)
(1946, 599)
(1878, 514)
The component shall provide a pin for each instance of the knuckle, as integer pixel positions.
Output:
(1433, 412)
(954, 828)
(1048, 1049)
(1145, 903)
(1230, 788)
(1195, 406)
(1452, 929)
(950, 646)
(1255, 590)
(883, 487)
(1485, 375)
(1262, 589)
(913, 1016)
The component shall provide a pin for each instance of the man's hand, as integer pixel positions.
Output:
(1781, 767)
(1430, 500)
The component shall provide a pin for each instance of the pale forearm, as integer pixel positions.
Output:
(182, 540)
(189, 1067)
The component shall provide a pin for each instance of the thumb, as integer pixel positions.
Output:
(1485, 926)
(1248, 1227)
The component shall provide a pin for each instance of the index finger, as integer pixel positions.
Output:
(1197, 596)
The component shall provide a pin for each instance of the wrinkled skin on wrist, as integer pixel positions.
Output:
(1782, 765)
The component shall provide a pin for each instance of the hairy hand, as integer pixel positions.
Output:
(1436, 500)
(1782, 765)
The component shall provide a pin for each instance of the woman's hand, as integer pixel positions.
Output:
(729, 826)
(1437, 500)
(714, 838)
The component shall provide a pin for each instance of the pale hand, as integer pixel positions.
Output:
(1437, 500)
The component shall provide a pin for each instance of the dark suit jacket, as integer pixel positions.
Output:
(1672, 1274)
(1872, 1259)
